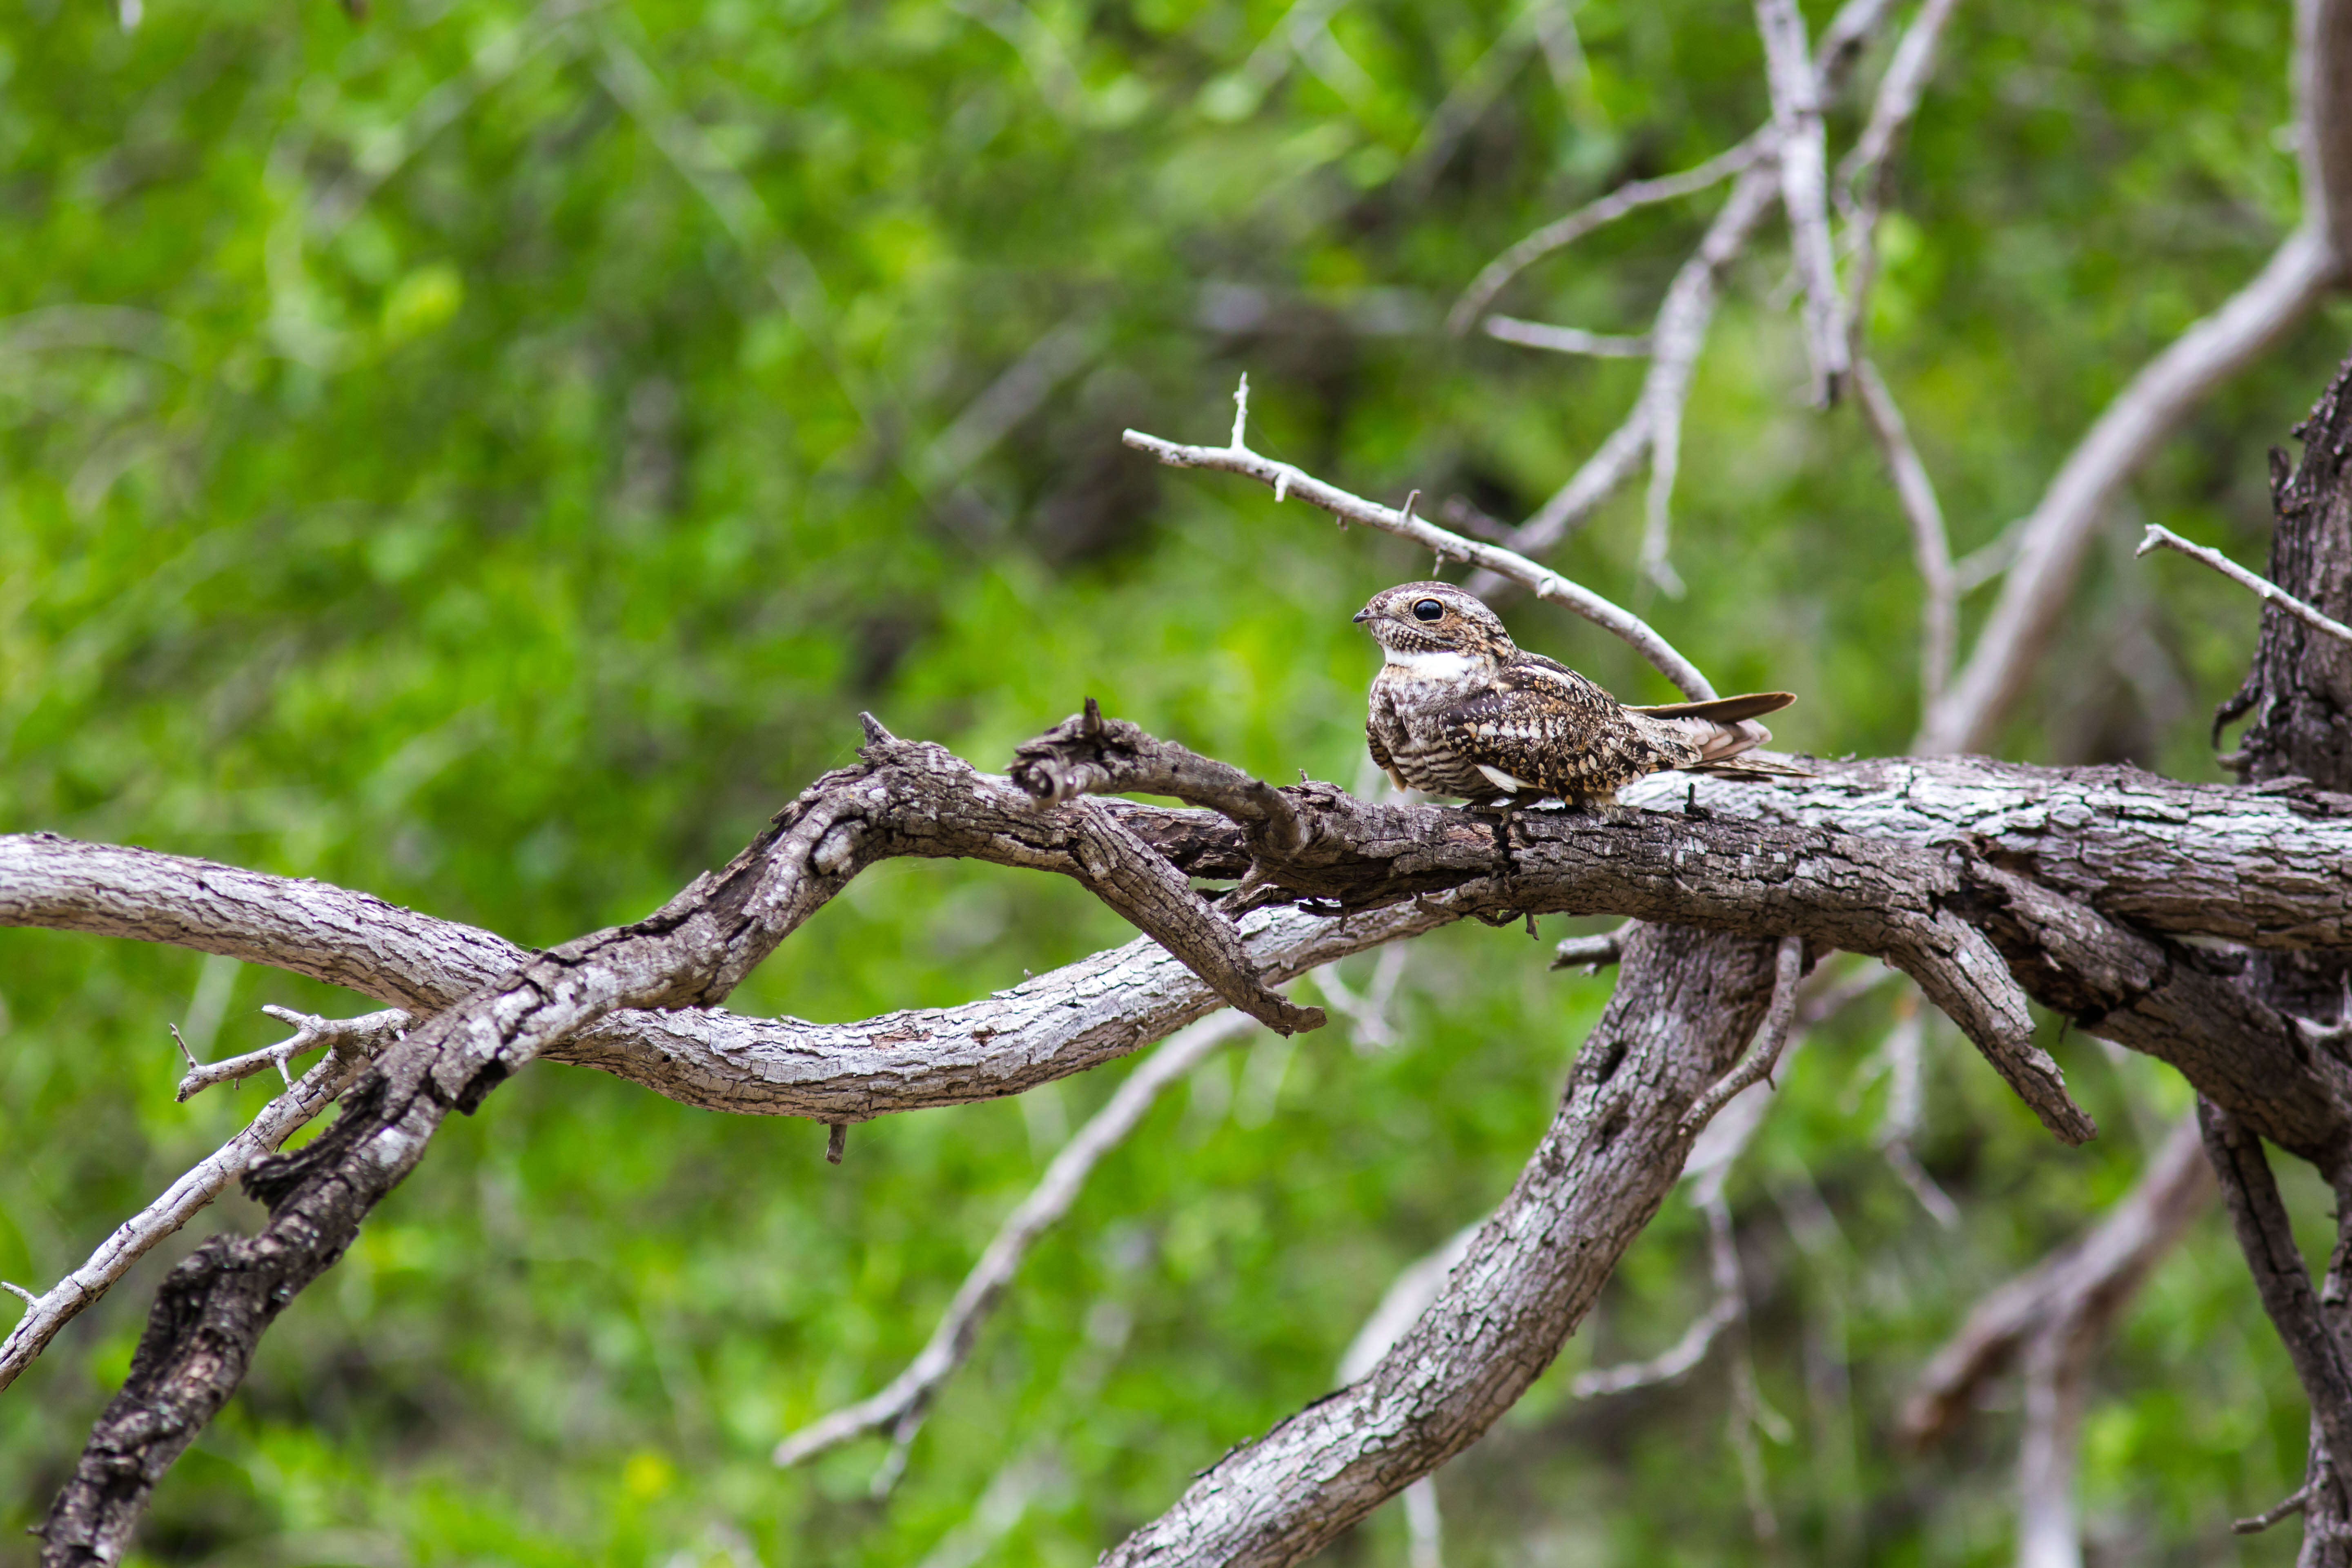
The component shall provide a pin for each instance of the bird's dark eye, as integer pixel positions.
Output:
(1428, 610)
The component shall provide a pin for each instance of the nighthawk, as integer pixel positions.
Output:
(1459, 709)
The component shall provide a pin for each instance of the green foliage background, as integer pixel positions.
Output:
(487, 456)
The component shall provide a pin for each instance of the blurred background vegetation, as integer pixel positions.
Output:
(487, 456)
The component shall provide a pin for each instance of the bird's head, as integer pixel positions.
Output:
(1434, 618)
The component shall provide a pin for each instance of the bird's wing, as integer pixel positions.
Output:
(1545, 727)
(1380, 757)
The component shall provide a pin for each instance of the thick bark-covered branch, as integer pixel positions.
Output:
(1964, 874)
(2282, 1279)
(1685, 1004)
(904, 798)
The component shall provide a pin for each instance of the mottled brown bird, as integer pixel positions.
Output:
(1459, 709)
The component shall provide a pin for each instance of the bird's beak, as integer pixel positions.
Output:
(1361, 617)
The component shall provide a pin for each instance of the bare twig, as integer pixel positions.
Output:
(1237, 458)
(1600, 213)
(1903, 1047)
(1677, 334)
(901, 1406)
(2264, 589)
(1860, 188)
(1565, 340)
(1758, 1065)
(1931, 548)
(2293, 1503)
(1804, 180)
(1676, 1359)
(1859, 191)
(365, 1034)
(1367, 1012)
(2282, 1279)
(2050, 544)
(1594, 952)
(347, 1057)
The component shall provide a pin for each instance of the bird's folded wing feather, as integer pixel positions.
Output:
(1540, 725)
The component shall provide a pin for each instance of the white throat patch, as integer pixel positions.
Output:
(1433, 665)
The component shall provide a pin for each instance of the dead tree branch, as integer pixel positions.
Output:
(1564, 339)
(1653, 428)
(2262, 588)
(51, 1311)
(1286, 480)
(1685, 1004)
(1599, 212)
(1757, 1065)
(904, 799)
(1804, 190)
(2283, 1281)
(1931, 547)
(365, 1034)
(2057, 535)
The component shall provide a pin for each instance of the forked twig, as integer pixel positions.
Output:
(1600, 213)
(368, 1033)
(346, 1058)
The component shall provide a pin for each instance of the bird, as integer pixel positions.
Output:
(1459, 709)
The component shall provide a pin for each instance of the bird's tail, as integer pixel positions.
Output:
(1723, 734)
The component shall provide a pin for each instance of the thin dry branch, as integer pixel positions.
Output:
(1859, 191)
(2262, 588)
(1599, 212)
(1757, 1065)
(1564, 339)
(1931, 548)
(1678, 332)
(2283, 1281)
(2055, 538)
(365, 1034)
(1901, 1121)
(1804, 190)
(1286, 480)
(901, 1406)
(1860, 188)
(347, 1057)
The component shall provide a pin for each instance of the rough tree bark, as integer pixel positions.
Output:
(2299, 693)
(1684, 1006)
